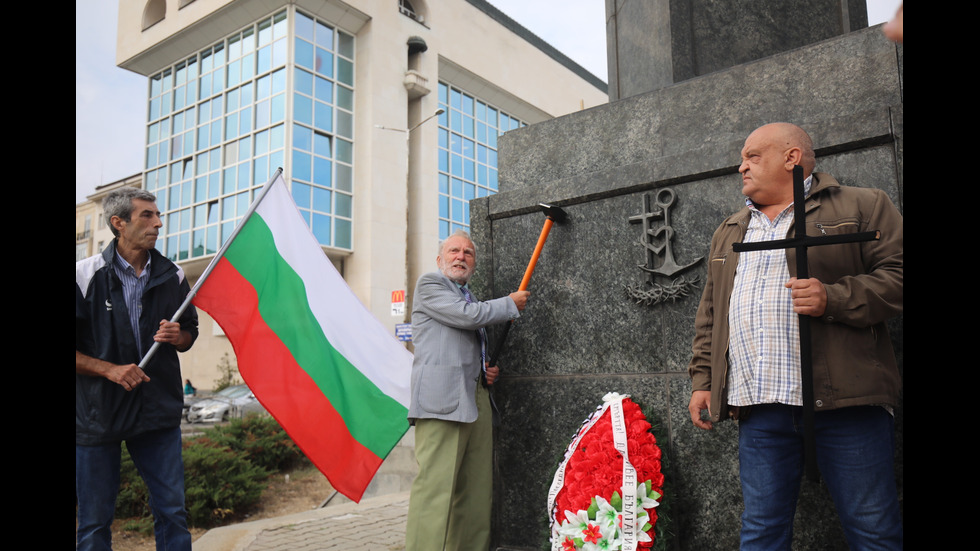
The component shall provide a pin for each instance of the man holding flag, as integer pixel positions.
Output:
(123, 298)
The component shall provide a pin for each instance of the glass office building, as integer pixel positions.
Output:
(221, 121)
(468, 131)
(279, 92)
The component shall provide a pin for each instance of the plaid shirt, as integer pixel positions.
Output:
(764, 342)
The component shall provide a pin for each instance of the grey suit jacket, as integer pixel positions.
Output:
(447, 348)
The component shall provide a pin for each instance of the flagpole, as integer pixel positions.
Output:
(214, 261)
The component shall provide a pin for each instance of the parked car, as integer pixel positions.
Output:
(232, 401)
(190, 400)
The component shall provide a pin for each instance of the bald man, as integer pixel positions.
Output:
(746, 359)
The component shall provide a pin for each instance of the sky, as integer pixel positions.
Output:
(110, 102)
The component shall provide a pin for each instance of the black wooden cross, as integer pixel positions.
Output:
(801, 242)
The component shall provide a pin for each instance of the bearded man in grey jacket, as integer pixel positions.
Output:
(450, 406)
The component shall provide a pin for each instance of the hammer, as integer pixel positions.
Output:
(552, 214)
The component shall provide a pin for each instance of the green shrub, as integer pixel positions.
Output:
(219, 482)
(225, 472)
(143, 525)
(261, 440)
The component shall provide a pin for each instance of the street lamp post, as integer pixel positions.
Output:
(408, 186)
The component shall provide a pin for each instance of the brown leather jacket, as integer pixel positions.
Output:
(853, 361)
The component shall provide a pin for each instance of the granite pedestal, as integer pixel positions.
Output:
(583, 334)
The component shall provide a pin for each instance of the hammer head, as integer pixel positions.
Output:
(555, 214)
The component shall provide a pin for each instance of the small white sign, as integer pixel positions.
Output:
(398, 303)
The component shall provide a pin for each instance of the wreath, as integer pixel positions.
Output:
(596, 493)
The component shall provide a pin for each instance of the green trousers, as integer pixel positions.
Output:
(450, 504)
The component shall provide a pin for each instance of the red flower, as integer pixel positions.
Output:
(592, 533)
(657, 479)
(568, 544)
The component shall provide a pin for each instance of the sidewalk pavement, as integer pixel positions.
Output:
(377, 523)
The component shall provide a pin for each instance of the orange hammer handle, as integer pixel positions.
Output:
(536, 254)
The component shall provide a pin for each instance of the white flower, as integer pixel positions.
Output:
(607, 516)
(574, 523)
(613, 396)
(606, 540)
(645, 501)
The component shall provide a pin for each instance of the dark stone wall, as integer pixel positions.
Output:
(581, 336)
(656, 43)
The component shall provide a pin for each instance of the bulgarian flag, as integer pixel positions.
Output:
(322, 365)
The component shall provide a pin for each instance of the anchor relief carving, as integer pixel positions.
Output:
(657, 242)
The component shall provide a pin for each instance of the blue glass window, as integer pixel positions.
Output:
(216, 132)
(301, 194)
(467, 154)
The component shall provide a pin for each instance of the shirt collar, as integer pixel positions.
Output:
(124, 265)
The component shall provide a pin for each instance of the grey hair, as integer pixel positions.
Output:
(120, 203)
(458, 233)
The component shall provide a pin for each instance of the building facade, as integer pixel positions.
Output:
(92, 233)
(384, 115)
